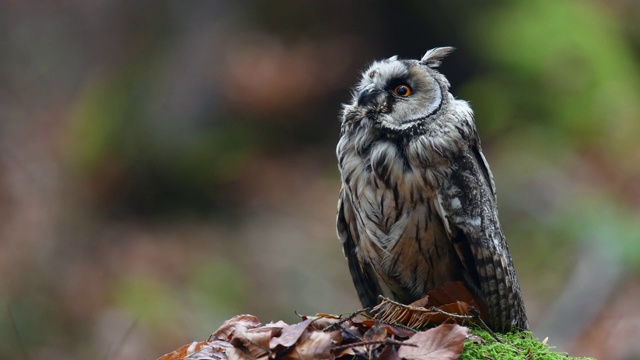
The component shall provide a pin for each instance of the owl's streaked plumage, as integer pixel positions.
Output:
(417, 207)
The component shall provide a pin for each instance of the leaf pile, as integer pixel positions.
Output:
(324, 337)
(390, 331)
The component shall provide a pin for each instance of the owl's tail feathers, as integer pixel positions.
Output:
(501, 291)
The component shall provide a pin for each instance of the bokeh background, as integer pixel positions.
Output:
(165, 165)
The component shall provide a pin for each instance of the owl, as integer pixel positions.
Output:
(417, 206)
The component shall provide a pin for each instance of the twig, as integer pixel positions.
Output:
(338, 325)
(405, 327)
(483, 325)
(451, 315)
(392, 312)
(405, 306)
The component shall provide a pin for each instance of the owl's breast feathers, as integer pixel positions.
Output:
(392, 188)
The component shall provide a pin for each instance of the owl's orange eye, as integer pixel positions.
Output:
(402, 90)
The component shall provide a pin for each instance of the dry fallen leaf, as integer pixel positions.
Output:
(453, 292)
(235, 353)
(290, 334)
(254, 342)
(389, 352)
(459, 309)
(314, 345)
(443, 342)
(422, 302)
(322, 321)
(225, 331)
(203, 350)
(377, 332)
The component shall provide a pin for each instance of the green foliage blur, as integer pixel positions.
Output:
(165, 165)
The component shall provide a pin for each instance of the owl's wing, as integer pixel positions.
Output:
(361, 272)
(467, 206)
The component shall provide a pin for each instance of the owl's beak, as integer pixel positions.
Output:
(370, 95)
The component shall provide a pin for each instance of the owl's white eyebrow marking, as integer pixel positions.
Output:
(382, 71)
(390, 70)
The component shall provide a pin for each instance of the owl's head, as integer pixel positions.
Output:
(400, 97)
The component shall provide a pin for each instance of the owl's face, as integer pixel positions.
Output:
(400, 96)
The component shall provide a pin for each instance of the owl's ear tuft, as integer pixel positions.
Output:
(393, 58)
(433, 58)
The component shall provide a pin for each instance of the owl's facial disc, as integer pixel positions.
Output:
(398, 96)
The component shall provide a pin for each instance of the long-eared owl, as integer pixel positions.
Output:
(417, 207)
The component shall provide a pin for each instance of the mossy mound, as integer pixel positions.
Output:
(517, 345)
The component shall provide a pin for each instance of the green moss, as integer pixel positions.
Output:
(517, 345)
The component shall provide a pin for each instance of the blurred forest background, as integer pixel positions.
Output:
(165, 164)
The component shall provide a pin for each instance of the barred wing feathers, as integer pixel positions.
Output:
(467, 205)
